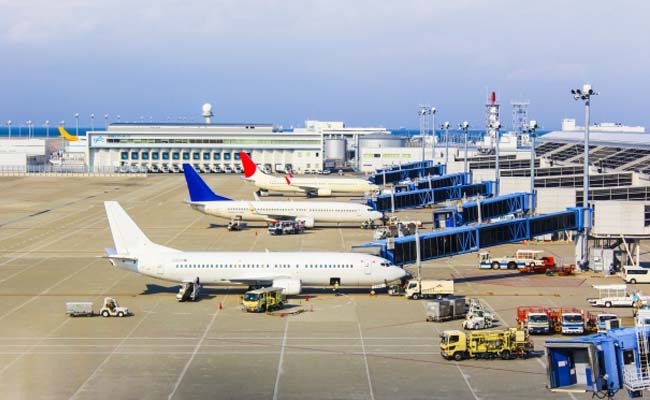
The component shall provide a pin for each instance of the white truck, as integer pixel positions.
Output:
(110, 308)
(616, 296)
(478, 319)
(430, 288)
(522, 259)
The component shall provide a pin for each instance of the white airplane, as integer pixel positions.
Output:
(203, 199)
(288, 270)
(316, 186)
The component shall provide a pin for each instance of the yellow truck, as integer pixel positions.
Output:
(262, 300)
(506, 344)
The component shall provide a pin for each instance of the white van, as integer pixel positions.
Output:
(633, 274)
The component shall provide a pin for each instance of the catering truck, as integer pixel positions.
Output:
(429, 288)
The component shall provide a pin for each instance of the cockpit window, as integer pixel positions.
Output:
(385, 264)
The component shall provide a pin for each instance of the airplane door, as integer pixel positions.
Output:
(366, 268)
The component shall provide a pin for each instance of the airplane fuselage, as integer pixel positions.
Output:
(228, 268)
(270, 210)
(298, 185)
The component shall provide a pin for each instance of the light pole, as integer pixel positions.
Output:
(496, 125)
(532, 127)
(433, 134)
(9, 126)
(465, 127)
(47, 128)
(76, 117)
(92, 122)
(445, 126)
(118, 118)
(29, 128)
(585, 94)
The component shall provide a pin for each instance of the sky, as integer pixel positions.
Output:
(368, 63)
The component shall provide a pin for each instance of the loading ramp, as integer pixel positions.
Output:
(466, 239)
(424, 197)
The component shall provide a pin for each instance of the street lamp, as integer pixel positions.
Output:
(118, 118)
(433, 133)
(445, 126)
(495, 126)
(585, 94)
(9, 126)
(47, 128)
(105, 121)
(92, 122)
(29, 128)
(76, 117)
(464, 126)
(532, 127)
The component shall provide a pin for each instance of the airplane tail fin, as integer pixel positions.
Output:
(250, 169)
(199, 190)
(66, 135)
(128, 237)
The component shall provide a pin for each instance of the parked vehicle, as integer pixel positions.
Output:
(446, 309)
(263, 300)
(524, 260)
(478, 320)
(564, 320)
(506, 344)
(616, 296)
(286, 228)
(110, 308)
(429, 288)
(634, 274)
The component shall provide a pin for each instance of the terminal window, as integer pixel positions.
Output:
(176, 156)
(124, 155)
(206, 156)
(165, 156)
(237, 156)
(196, 156)
(217, 156)
(226, 156)
(134, 155)
(186, 156)
(145, 156)
(154, 156)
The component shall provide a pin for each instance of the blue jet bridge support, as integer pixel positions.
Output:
(468, 213)
(600, 364)
(425, 197)
(467, 239)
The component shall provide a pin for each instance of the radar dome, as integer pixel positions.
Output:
(207, 108)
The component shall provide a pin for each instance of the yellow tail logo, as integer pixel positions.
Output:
(66, 135)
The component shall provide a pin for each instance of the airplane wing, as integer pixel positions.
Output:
(306, 189)
(270, 217)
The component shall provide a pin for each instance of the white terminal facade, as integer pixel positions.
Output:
(145, 144)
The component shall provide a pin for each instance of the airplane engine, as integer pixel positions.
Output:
(324, 192)
(290, 286)
(308, 221)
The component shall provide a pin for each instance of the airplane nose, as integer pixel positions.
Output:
(400, 273)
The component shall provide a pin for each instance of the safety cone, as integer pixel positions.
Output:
(221, 306)
(307, 298)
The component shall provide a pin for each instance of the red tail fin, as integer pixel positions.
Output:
(286, 178)
(249, 166)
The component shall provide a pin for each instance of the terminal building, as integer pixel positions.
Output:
(216, 146)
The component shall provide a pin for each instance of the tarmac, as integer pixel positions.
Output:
(355, 346)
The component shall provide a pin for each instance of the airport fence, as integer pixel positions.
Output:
(67, 170)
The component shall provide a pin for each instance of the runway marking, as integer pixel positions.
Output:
(365, 360)
(92, 376)
(25, 230)
(196, 349)
(466, 379)
(281, 360)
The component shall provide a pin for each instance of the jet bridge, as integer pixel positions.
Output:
(419, 198)
(468, 213)
(395, 176)
(414, 164)
(466, 239)
(434, 182)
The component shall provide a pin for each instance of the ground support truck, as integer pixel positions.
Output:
(506, 344)
(545, 320)
(617, 296)
(428, 288)
(523, 260)
(263, 300)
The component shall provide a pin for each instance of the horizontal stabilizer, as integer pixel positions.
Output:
(199, 190)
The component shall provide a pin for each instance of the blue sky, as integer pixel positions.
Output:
(363, 62)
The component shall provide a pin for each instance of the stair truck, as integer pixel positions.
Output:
(506, 344)
(601, 364)
(263, 300)
(429, 288)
